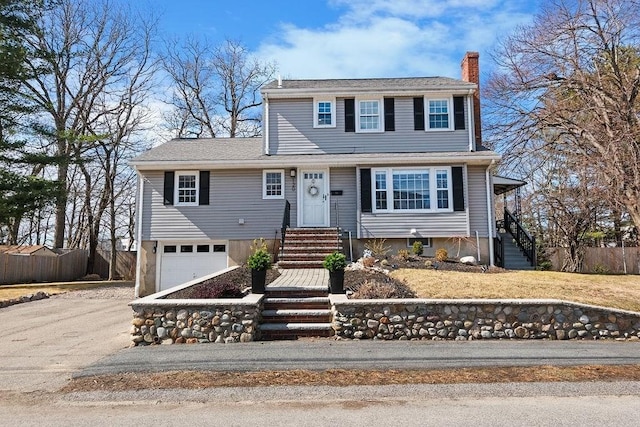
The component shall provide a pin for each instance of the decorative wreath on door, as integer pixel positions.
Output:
(313, 190)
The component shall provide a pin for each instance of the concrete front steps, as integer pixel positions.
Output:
(514, 259)
(291, 313)
(308, 247)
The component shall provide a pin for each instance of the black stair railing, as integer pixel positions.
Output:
(286, 223)
(498, 251)
(524, 240)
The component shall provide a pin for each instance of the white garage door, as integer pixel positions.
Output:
(183, 262)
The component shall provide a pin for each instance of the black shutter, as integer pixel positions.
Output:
(169, 179)
(458, 188)
(365, 190)
(204, 188)
(458, 112)
(349, 115)
(389, 114)
(418, 113)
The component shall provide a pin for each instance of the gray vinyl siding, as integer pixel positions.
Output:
(233, 194)
(343, 208)
(399, 225)
(477, 200)
(291, 131)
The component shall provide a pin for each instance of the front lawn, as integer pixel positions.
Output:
(605, 290)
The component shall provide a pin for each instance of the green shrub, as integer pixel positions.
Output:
(335, 261)
(260, 259)
(418, 247)
(442, 255)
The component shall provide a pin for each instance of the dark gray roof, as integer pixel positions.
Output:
(188, 149)
(234, 152)
(387, 84)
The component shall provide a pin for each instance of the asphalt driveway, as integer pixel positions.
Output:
(44, 342)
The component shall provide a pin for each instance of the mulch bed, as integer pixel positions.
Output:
(239, 279)
(418, 262)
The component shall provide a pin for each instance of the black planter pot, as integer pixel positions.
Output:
(336, 281)
(258, 279)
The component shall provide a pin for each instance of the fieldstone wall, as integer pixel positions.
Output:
(205, 324)
(469, 320)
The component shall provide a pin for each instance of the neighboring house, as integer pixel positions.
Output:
(393, 158)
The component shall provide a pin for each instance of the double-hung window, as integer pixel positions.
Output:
(438, 114)
(413, 190)
(324, 113)
(186, 188)
(273, 184)
(369, 116)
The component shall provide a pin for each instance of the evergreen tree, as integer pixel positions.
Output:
(22, 190)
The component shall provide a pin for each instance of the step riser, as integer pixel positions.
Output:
(293, 335)
(310, 306)
(296, 319)
(298, 264)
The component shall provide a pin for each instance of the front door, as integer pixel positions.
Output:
(314, 198)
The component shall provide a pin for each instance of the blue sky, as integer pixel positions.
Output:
(352, 38)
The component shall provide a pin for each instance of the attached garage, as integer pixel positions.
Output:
(185, 261)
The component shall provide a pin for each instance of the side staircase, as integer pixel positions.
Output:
(291, 313)
(307, 247)
(514, 258)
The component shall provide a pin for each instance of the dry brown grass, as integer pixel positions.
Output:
(341, 377)
(605, 290)
(8, 292)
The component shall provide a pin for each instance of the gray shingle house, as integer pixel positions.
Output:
(392, 158)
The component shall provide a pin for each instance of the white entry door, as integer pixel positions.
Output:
(314, 198)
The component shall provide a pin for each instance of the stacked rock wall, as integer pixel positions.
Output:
(186, 324)
(455, 320)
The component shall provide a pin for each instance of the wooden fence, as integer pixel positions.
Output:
(602, 260)
(125, 264)
(65, 267)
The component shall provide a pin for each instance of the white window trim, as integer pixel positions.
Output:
(264, 184)
(316, 101)
(380, 102)
(433, 190)
(449, 111)
(176, 191)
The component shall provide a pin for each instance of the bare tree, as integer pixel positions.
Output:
(215, 90)
(570, 81)
(91, 48)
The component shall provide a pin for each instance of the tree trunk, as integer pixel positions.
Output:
(61, 207)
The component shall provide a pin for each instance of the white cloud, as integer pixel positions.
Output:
(377, 38)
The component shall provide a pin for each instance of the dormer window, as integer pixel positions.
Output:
(324, 113)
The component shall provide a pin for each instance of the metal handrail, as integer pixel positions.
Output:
(286, 223)
(524, 240)
(498, 251)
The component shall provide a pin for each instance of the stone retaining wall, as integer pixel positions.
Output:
(479, 319)
(157, 320)
(180, 324)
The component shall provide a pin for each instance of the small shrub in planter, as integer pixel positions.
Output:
(418, 247)
(442, 255)
(335, 263)
(259, 262)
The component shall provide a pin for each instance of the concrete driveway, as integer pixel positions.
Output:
(43, 342)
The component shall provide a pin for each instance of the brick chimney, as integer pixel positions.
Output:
(471, 73)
